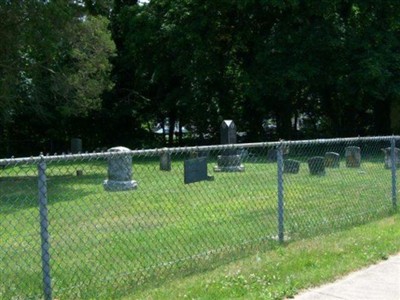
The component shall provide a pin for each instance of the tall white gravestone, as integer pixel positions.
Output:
(119, 171)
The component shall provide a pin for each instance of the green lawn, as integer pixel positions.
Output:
(109, 244)
(284, 271)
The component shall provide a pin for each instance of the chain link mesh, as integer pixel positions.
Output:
(108, 239)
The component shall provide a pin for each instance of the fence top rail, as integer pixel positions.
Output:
(159, 151)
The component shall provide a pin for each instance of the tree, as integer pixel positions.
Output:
(59, 62)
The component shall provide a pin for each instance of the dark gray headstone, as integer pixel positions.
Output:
(388, 157)
(228, 132)
(316, 165)
(332, 160)
(229, 160)
(165, 161)
(119, 171)
(76, 145)
(291, 166)
(353, 157)
(196, 170)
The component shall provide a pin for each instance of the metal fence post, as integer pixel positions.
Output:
(280, 194)
(44, 230)
(393, 158)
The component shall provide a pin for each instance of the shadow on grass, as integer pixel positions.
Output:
(21, 192)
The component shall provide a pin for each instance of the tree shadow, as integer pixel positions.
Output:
(22, 192)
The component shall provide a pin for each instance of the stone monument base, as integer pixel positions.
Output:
(229, 163)
(112, 185)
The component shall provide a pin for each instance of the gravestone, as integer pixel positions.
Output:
(291, 166)
(228, 132)
(165, 161)
(272, 155)
(76, 145)
(316, 165)
(353, 156)
(196, 170)
(332, 160)
(229, 160)
(119, 171)
(388, 157)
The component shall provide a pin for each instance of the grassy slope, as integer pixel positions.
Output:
(283, 271)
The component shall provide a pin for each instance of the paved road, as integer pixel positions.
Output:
(378, 282)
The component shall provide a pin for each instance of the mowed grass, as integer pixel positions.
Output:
(109, 244)
(288, 269)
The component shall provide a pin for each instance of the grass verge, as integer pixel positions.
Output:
(284, 271)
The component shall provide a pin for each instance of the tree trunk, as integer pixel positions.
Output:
(172, 121)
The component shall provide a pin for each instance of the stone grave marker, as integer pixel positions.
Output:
(272, 155)
(332, 160)
(388, 157)
(229, 160)
(165, 161)
(228, 132)
(316, 165)
(119, 171)
(353, 156)
(291, 166)
(195, 170)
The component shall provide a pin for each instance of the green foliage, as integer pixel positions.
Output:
(53, 65)
(85, 68)
(334, 65)
(330, 62)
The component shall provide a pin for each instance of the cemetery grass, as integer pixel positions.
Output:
(286, 270)
(105, 244)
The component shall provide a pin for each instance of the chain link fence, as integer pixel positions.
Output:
(102, 225)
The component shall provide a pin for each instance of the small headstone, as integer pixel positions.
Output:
(165, 161)
(316, 165)
(291, 166)
(388, 157)
(272, 155)
(196, 170)
(119, 171)
(76, 145)
(229, 160)
(353, 156)
(332, 160)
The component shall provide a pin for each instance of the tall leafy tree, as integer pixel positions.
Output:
(59, 67)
